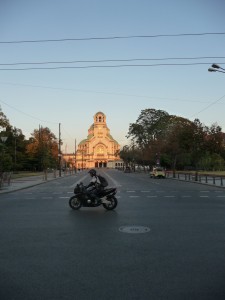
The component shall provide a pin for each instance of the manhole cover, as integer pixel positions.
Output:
(134, 229)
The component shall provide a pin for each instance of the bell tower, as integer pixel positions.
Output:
(99, 118)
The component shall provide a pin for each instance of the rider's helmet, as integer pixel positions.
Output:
(92, 172)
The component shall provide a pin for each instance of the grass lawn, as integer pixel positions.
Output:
(25, 174)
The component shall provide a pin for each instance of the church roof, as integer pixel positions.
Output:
(83, 141)
(100, 112)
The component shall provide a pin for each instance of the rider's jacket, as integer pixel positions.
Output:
(95, 182)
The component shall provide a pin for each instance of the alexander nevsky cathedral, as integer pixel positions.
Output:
(98, 150)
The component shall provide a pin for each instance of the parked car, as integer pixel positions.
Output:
(158, 172)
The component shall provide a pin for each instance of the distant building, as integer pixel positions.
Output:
(98, 150)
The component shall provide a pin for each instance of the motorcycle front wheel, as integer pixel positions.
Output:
(75, 203)
(111, 203)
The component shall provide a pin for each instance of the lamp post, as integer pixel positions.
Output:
(15, 134)
(216, 68)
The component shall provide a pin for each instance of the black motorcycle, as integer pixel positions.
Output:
(82, 198)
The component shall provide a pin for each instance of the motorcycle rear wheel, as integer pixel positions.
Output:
(75, 203)
(112, 203)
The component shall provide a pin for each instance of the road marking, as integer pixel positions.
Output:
(204, 196)
(145, 191)
(223, 196)
(186, 196)
(64, 197)
(47, 197)
(79, 181)
(169, 196)
(154, 196)
(134, 196)
(116, 183)
(130, 191)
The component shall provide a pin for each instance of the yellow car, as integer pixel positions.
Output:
(158, 172)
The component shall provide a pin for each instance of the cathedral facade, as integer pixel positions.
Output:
(98, 150)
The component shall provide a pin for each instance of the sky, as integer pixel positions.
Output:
(62, 61)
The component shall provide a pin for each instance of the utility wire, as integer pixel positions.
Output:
(103, 93)
(111, 60)
(28, 115)
(105, 66)
(111, 38)
(211, 104)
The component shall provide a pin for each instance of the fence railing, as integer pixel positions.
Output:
(218, 180)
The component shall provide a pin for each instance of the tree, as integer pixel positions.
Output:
(42, 149)
(5, 158)
(149, 127)
(4, 122)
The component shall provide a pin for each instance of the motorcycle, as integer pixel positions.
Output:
(82, 198)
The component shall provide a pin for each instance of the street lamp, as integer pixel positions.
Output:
(216, 68)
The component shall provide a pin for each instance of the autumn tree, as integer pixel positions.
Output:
(42, 149)
(174, 141)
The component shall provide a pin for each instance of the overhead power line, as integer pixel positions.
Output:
(111, 38)
(105, 66)
(110, 60)
(26, 114)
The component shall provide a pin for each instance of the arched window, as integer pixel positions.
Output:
(100, 150)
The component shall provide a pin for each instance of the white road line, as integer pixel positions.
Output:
(204, 196)
(130, 191)
(169, 196)
(81, 179)
(64, 197)
(145, 191)
(116, 183)
(186, 196)
(223, 196)
(154, 196)
(134, 196)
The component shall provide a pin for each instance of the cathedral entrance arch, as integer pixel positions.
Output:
(100, 164)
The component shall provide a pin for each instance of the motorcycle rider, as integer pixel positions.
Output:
(97, 186)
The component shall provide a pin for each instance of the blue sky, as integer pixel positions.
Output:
(72, 96)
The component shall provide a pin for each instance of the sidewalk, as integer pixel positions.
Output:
(29, 181)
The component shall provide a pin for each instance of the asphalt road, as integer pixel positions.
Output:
(165, 240)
